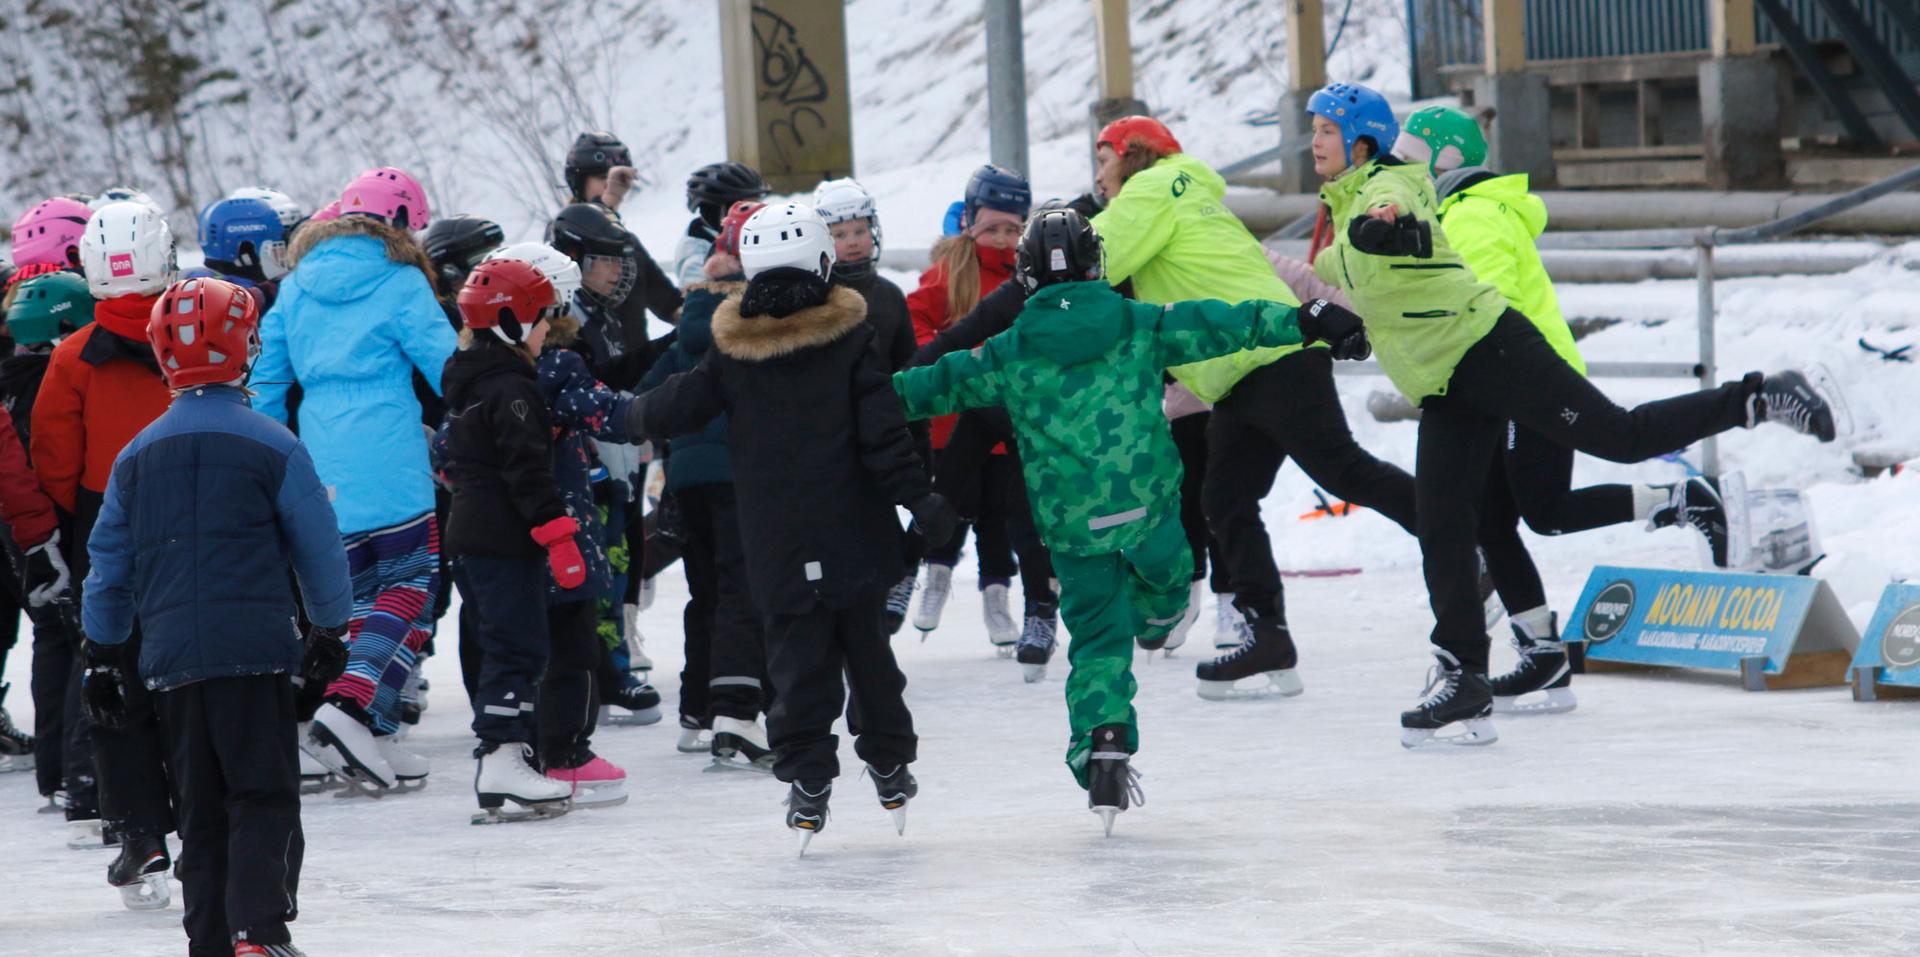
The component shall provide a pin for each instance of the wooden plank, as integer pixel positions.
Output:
(1503, 31)
(1113, 46)
(1647, 108)
(1611, 153)
(1306, 45)
(1565, 73)
(1812, 669)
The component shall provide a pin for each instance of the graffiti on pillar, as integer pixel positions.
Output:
(790, 79)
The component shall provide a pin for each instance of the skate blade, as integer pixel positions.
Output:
(599, 799)
(1107, 814)
(899, 815)
(1557, 701)
(356, 784)
(723, 765)
(806, 838)
(1475, 732)
(525, 812)
(1034, 673)
(340, 762)
(321, 784)
(85, 840)
(1279, 684)
(150, 892)
(704, 745)
(631, 719)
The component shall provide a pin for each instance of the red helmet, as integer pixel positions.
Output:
(203, 331)
(507, 296)
(1144, 131)
(729, 239)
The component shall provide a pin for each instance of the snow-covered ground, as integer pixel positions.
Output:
(1667, 815)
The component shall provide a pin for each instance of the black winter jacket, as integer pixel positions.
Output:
(820, 448)
(892, 323)
(499, 453)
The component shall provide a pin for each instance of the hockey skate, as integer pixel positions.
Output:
(1269, 654)
(1037, 643)
(1697, 504)
(1229, 626)
(1790, 399)
(16, 746)
(1001, 629)
(249, 949)
(899, 601)
(634, 703)
(1178, 636)
(140, 872)
(349, 749)
(1542, 666)
(807, 810)
(1113, 784)
(740, 746)
(505, 774)
(1453, 696)
(694, 739)
(895, 788)
(596, 782)
(933, 598)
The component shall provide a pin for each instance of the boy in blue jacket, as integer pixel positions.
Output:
(202, 505)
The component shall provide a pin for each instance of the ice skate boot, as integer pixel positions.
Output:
(596, 782)
(1696, 504)
(807, 810)
(899, 601)
(16, 746)
(740, 746)
(505, 773)
(1542, 666)
(1453, 696)
(637, 659)
(1037, 643)
(1790, 400)
(348, 747)
(410, 770)
(1178, 636)
(1113, 785)
(1268, 654)
(895, 788)
(694, 739)
(633, 703)
(315, 776)
(1229, 626)
(1001, 629)
(933, 598)
(141, 873)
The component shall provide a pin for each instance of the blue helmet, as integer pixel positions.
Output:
(246, 234)
(1358, 111)
(996, 187)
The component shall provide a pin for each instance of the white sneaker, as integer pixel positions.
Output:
(506, 774)
(348, 748)
(1002, 630)
(1179, 635)
(933, 596)
(407, 766)
(1230, 627)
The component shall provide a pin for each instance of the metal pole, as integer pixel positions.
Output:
(1703, 278)
(1006, 86)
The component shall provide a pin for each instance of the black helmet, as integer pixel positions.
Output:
(715, 187)
(595, 152)
(457, 244)
(585, 231)
(1058, 246)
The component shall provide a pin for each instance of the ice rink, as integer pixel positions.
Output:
(1665, 816)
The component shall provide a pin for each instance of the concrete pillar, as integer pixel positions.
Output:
(1306, 73)
(1740, 122)
(1296, 138)
(1521, 140)
(785, 85)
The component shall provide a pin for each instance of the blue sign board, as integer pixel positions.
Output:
(1709, 620)
(1892, 642)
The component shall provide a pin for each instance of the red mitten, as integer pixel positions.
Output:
(563, 556)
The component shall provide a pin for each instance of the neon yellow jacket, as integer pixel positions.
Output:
(1168, 232)
(1493, 224)
(1421, 314)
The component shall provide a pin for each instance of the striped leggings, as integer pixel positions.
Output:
(396, 571)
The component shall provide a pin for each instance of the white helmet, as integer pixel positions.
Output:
(120, 194)
(786, 235)
(840, 200)
(286, 207)
(560, 270)
(127, 250)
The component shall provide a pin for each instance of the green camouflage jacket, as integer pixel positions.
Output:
(1080, 374)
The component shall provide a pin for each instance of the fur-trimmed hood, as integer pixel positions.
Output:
(563, 330)
(399, 245)
(762, 338)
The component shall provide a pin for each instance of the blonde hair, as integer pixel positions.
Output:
(468, 341)
(959, 258)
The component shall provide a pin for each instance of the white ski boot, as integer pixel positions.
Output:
(349, 749)
(933, 598)
(1002, 631)
(506, 774)
(740, 746)
(1229, 626)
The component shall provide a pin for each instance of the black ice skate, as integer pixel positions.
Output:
(1037, 642)
(16, 746)
(740, 746)
(899, 600)
(1453, 695)
(807, 810)
(1697, 504)
(1269, 654)
(141, 873)
(1112, 783)
(895, 788)
(1543, 666)
(633, 703)
(1790, 400)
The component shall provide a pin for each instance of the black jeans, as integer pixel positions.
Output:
(230, 743)
(1286, 408)
(806, 655)
(1190, 437)
(726, 662)
(509, 601)
(568, 710)
(1513, 374)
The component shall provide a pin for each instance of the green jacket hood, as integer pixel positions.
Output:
(1509, 191)
(1070, 322)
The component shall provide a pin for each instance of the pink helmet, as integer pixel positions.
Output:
(47, 232)
(324, 213)
(389, 194)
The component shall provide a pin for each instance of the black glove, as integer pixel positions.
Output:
(103, 686)
(1405, 236)
(935, 517)
(46, 578)
(325, 657)
(1325, 321)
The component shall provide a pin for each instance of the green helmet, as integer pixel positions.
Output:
(1444, 128)
(48, 307)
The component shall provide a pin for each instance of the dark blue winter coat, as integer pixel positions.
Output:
(582, 409)
(206, 509)
(699, 458)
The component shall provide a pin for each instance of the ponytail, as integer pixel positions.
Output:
(959, 259)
